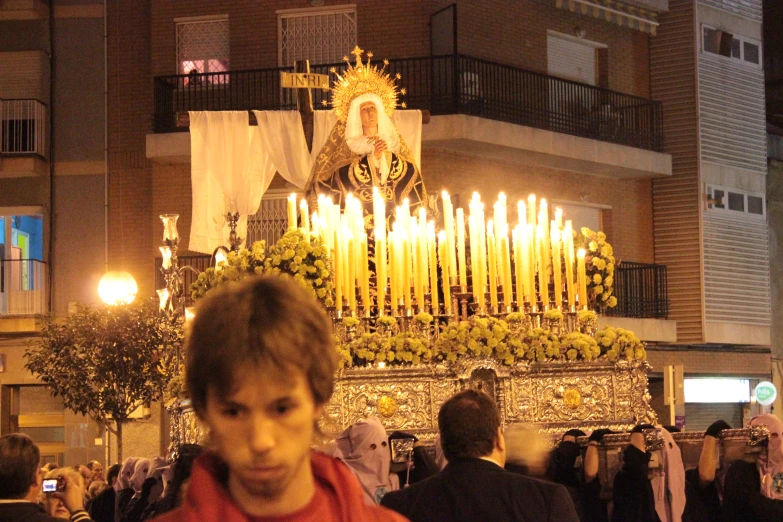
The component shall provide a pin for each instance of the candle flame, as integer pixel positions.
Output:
(581, 253)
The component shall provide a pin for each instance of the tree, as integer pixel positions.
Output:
(106, 362)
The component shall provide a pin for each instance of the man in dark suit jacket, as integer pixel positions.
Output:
(474, 487)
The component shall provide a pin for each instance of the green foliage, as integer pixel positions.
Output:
(105, 362)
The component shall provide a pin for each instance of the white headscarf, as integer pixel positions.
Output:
(770, 463)
(370, 465)
(126, 472)
(668, 484)
(354, 135)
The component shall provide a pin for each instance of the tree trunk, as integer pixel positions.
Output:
(119, 442)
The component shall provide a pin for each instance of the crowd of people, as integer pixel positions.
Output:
(260, 371)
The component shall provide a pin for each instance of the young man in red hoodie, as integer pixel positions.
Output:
(260, 369)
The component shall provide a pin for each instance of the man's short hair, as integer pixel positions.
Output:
(468, 423)
(19, 458)
(266, 321)
(113, 473)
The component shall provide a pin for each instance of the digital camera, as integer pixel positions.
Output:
(53, 485)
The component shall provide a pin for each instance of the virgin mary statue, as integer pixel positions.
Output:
(364, 149)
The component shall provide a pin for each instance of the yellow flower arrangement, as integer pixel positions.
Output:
(305, 259)
(618, 343)
(401, 349)
(600, 264)
(577, 345)
(237, 266)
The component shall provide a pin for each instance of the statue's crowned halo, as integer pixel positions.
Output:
(364, 149)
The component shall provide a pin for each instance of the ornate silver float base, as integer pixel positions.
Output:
(556, 396)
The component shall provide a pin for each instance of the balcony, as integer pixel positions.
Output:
(23, 147)
(443, 85)
(23, 287)
(642, 302)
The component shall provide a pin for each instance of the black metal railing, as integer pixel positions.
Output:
(641, 291)
(442, 85)
(198, 262)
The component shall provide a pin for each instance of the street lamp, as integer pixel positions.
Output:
(117, 288)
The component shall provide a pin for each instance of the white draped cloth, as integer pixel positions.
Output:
(232, 163)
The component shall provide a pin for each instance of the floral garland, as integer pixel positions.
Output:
(304, 258)
(488, 337)
(478, 336)
(599, 264)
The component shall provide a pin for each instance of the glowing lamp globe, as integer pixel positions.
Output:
(117, 288)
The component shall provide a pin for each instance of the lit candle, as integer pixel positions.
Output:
(305, 215)
(291, 211)
(581, 275)
(482, 256)
(522, 213)
(422, 256)
(543, 219)
(568, 249)
(530, 246)
(506, 265)
(379, 231)
(461, 269)
(433, 268)
(406, 270)
(543, 280)
(336, 268)
(557, 266)
(444, 268)
(493, 279)
(365, 273)
(351, 272)
(559, 217)
(166, 253)
(448, 223)
(516, 236)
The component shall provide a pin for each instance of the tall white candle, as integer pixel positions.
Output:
(448, 224)
(291, 211)
(581, 275)
(462, 269)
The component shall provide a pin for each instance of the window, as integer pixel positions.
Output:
(22, 272)
(735, 201)
(320, 35)
(726, 44)
(203, 46)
